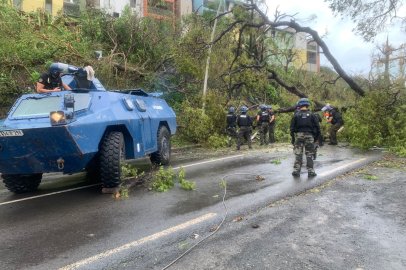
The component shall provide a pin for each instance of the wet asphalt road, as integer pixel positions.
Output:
(56, 231)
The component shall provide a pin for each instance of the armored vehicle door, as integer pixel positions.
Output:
(148, 136)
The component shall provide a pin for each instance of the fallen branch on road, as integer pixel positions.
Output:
(134, 181)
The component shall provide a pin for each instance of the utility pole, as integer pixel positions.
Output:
(208, 59)
(387, 55)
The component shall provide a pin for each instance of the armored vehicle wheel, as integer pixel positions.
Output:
(18, 183)
(163, 155)
(112, 156)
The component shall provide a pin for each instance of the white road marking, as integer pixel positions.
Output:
(49, 194)
(72, 189)
(341, 167)
(138, 242)
(209, 161)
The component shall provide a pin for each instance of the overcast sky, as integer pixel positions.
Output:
(351, 51)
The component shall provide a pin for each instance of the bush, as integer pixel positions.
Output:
(208, 129)
(378, 120)
(282, 129)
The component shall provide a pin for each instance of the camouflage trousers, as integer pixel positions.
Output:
(272, 132)
(232, 133)
(303, 140)
(246, 133)
(263, 130)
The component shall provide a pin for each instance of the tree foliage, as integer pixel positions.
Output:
(249, 66)
(378, 120)
(371, 16)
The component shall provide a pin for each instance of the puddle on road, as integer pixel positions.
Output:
(240, 185)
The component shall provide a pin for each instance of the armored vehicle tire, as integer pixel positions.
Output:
(163, 155)
(112, 156)
(18, 183)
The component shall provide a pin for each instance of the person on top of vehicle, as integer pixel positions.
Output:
(51, 81)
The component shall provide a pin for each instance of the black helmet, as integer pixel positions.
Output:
(57, 68)
(231, 109)
(303, 102)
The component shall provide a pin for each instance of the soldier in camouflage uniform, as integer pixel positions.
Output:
(272, 124)
(305, 126)
(231, 125)
(244, 122)
(263, 120)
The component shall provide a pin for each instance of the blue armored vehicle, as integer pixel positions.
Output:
(86, 128)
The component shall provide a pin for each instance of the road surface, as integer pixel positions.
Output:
(68, 224)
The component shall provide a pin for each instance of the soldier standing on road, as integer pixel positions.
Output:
(51, 81)
(263, 120)
(244, 122)
(305, 126)
(231, 125)
(336, 120)
(271, 125)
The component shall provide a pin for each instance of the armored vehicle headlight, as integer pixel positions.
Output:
(57, 118)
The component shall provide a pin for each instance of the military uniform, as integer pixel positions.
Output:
(263, 126)
(306, 126)
(231, 127)
(244, 122)
(272, 126)
(320, 136)
(50, 82)
(337, 122)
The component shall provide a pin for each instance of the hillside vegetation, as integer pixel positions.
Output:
(170, 57)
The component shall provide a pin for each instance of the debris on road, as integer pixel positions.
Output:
(213, 228)
(238, 219)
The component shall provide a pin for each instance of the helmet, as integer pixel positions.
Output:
(303, 102)
(326, 108)
(57, 68)
(244, 109)
(231, 109)
(263, 106)
(269, 107)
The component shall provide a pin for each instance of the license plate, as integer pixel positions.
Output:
(11, 133)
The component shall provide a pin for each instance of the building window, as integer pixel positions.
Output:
(312, 47)
(210, 4)
(161, 8)
(311, 58)
(116, 14)
(48, 6)
(133, 3)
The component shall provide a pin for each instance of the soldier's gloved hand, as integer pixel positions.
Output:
(293, 140)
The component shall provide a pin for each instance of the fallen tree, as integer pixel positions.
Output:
(262, 25)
